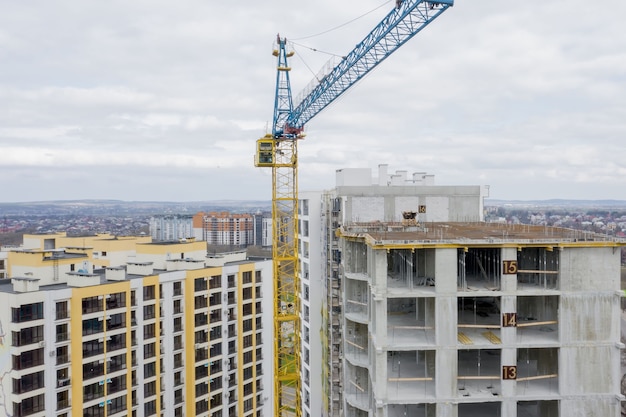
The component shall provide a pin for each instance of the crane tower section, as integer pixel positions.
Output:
(278, 151)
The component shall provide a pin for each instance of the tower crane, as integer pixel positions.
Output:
(278, 150)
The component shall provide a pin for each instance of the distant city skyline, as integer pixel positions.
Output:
(157, 102)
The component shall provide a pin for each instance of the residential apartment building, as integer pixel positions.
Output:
(428, 311)
(171, 332)
(170, 227)
(104, 249)
(224, 228)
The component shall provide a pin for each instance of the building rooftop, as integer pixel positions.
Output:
(407, 233)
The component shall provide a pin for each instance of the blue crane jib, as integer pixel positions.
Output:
(402, 23)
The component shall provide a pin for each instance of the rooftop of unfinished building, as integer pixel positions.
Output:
(386, 233)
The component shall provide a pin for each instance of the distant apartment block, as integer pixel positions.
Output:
(168, 332)
(224, 228)
(171, 227)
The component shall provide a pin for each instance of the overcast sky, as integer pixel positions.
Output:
(163, 100)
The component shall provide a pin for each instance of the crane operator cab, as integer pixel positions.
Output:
(265, 148)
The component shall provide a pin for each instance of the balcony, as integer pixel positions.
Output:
(63, 382)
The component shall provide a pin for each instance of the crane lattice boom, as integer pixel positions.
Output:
(401, 24)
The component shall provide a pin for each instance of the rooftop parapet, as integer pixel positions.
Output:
(462, 234)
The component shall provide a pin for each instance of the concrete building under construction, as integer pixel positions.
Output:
(429, 311)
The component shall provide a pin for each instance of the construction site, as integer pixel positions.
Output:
(436, 326)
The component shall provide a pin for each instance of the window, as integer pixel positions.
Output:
(200, 301)
(28, 359)
(177, 307)
(150, 389)
(28, 383)
(116, 321)
(149, 408)
(149, 312)
(117, 341)
(149, 350)
(149, 370)
(93, 391)
(148, 293)
(216, 281)
(247, 341)
(116, 300)
(94, 411)
(200, 319)
(216, 349)
(202, 389)
(247, 325)
(178, 378)
(116, 384)
(92, 348)
(246, 293)
(178, 360)
(63, 401)
(201, 372)
(116, 405)
(91, 304)
(247, 277)
(117, 363)
(92, 370)
(29, 406)
(178, 324)
(61, 310)
(92, 326)
(27, 312)
(149, 331)
(178, 288)
(178, 342)
(199, 284)
(62, 355)
(28, 336)
(202, 406)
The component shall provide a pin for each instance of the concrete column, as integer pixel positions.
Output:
(508, 282)
(447, 372)
(446, 321)
(445, 266)
(380, 369)
(508, 334)
(508, 358)
(378, 272)
(509, 408)
(447, 410)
